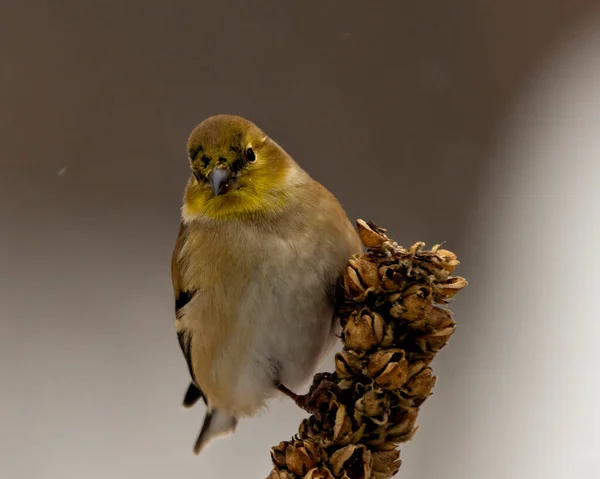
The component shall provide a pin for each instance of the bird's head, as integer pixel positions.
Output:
(236, 170)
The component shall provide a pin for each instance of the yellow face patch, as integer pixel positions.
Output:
(258, 170)
(258, 190)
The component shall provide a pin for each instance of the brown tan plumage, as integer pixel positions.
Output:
(260, 248)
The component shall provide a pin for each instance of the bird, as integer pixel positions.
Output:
(260, 248)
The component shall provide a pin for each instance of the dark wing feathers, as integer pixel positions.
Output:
(181, 300)
(182, 297)
(192, 395)
(185, 342)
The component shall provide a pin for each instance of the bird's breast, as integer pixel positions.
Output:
(263, 302)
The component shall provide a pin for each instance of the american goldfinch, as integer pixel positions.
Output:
(260, 248)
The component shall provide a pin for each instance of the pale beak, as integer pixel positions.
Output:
(219, 180)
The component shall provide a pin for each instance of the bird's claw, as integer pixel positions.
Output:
(320, 393)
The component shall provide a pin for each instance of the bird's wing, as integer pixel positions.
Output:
(183, 296)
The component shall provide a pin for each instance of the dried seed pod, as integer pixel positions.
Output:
(311, 429)
(404, 420)
(278, 454)
(381, 359)
(378, 326)
(388, 335)
(440, 318)
(275, 474)
(369, 237)
(394, 376)
(386, 463)
(369, 274)
(352, 283)
(342, 369)
(359, 332)
(365, 296)
(340, 456)
(297, 458)
(397, 310)
(319, 473)
(415, 289)
(388, 446)
(421, 384)
(405, 437)
(315, 451)
(392, 298)
(435, 341)
(342, 431)
(374, 438)
(378, 361)
(358, 434)
(354, 460)
(448, 258)
(353, 360)
(416, 247)
(415, 368)
(390, 279)
(373, 403)
(415, 308)
(453, 286)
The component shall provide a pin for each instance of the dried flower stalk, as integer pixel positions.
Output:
(394, 322)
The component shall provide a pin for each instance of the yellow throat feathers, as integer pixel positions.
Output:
(261, 190)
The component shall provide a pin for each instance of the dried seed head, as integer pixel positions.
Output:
(393, 323)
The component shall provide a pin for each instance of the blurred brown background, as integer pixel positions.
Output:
(395, 106)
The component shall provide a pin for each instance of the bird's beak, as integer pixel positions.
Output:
(219, 180)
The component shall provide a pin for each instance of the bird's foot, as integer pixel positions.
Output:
(320, 393)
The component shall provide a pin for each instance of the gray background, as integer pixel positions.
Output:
(397, 107)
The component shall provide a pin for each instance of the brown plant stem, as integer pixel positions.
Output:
(394, 322)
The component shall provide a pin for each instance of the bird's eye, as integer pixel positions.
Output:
(250, 155)
(205, 160)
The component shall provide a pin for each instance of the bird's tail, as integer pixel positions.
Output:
(216, 424)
